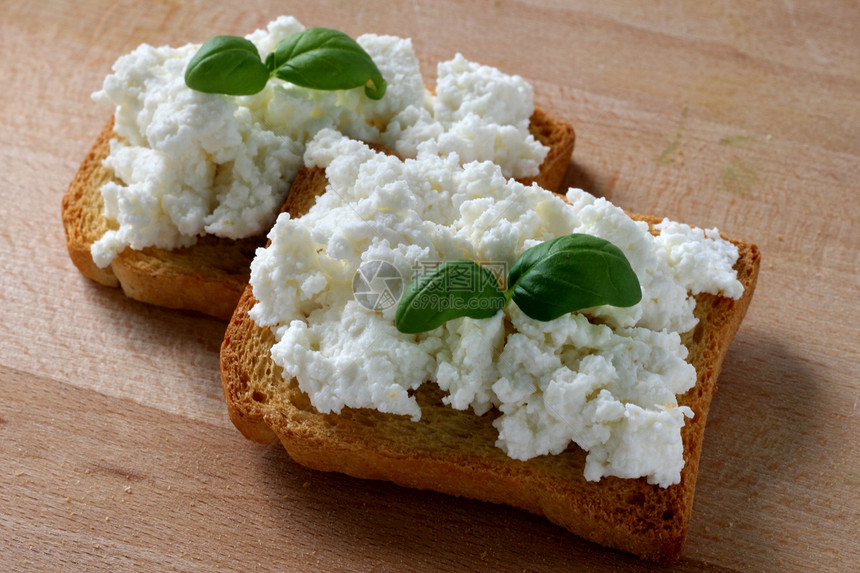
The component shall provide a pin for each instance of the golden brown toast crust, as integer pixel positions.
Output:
(209, 277)
(454, 451)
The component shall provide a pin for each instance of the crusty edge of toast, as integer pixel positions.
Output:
(560, 137)
(625, 514)
(198, 278)
(79, 222)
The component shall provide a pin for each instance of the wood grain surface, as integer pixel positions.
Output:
(115, 448)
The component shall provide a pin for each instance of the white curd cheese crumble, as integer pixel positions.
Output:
(608, 385)
(189, 163)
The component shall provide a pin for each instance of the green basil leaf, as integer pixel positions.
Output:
(454, 289)
(570, 273)
(325, 59)
(227, 65)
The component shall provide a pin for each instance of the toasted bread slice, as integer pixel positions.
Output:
(209, 277)
(454, 452)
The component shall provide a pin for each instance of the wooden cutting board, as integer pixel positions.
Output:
(115, 449)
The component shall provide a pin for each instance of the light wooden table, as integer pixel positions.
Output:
(115, 449)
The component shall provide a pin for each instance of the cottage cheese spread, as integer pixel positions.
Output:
(190, 163)
(609, 385)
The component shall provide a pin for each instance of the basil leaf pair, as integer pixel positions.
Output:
(317, 58)
(549, 280)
